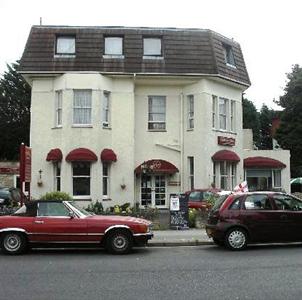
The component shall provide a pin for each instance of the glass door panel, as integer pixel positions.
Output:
(160, 190)
(146, 190)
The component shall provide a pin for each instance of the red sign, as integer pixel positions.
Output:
(25, 163)
(9, 170)
(226, 141)
(25, 168)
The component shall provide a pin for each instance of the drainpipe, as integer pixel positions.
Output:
(181, 142)
(136, 199)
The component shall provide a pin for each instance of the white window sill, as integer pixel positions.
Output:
(106, 198)
(57, 127)
(82, 126)
(224, 131)
(153, 57)
(231, 66)
(157, 130)
(82, 198)
(111, 56)
(64, 55)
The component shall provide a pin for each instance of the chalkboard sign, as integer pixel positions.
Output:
(179, 219)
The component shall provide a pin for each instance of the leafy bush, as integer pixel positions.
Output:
(96, 208)
(192, 217)
(56, 196)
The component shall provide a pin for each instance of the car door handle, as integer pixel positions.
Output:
(283, 217)
(39, 222)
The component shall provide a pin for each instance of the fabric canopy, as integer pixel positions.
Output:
(156, 166)
(226, 155)
(108, 155)
(81, 154)
(262, 162)
(54, 155)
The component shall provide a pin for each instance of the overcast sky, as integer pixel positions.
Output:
(269, 32)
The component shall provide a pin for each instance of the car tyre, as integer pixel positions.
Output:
(236, 239)
(119, 242)
(13, 243)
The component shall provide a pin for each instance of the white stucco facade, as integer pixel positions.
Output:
(128, 134)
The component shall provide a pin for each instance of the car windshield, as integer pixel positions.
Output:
(219, 202)
(79, 209)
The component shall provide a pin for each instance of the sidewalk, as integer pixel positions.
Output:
(190, 237)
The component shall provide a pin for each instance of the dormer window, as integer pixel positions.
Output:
(113, 46)
(65, 45)
(152, 47)
(229, 55)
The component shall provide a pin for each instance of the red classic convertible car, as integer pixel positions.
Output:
(64, 222)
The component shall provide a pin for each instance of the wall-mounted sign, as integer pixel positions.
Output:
(25, 169)
(9, 170)
(226, 141)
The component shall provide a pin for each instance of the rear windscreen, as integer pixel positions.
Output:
(219, 202)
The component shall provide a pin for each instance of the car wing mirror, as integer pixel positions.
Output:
(71, 214)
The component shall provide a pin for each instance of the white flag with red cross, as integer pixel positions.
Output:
(241, 187)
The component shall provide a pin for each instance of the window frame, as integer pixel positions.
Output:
(190, 110)
(233, 115)
(113, 55)
(214, 111)
(223, 115)
(82, 197)
(106, 176)
(70, 37)
(229, 176)
(57, 166)
(159, 55)
(58, 108)
(191, 172)
(229, 55)
(106, 109)
(89, 124)
(152, 122)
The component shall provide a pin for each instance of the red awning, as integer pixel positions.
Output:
(81, 154)
(107, 155)
(262, 162)
(54, 155)
(156, 166)
(226, 155)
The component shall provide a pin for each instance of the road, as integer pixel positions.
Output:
(204, 272)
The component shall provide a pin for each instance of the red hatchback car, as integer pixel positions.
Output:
(256, 217)
(64, 222)
(197, 198)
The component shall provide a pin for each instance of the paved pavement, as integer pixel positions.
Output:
(189, 237)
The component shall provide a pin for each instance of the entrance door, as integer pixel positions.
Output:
(153, 190)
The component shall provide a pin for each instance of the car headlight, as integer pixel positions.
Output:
(149, 228)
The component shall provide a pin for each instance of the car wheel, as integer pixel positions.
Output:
(119, 242)
(218, 242)
(13, 243)
(236, 239)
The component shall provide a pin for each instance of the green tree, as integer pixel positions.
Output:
(265, 117)
(250, 117)
(289, 134)
(15, 95)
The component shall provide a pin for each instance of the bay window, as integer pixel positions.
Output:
(190, 100)
(156, 112)
(82, 106)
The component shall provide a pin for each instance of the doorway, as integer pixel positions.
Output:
(153, 190)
